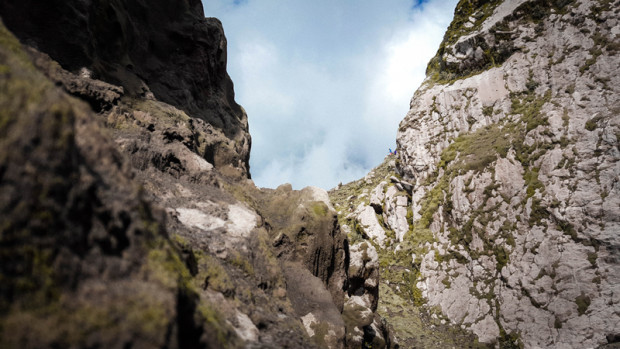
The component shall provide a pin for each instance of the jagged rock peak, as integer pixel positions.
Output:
(164, 50)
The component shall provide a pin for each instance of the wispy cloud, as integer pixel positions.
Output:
(325, 83)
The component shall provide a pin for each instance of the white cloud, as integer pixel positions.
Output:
(325, 84)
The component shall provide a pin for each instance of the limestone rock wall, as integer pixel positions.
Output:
(375, 212)
(513, 145)
(500, 213)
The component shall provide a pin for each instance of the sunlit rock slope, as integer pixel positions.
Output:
(503, 216)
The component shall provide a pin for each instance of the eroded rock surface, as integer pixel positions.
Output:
(128, 219)
(86, 260)
(164, 50)
(511, 145)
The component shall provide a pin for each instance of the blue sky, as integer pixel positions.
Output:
(325, 83)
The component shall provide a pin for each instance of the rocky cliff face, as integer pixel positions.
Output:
(163, 50)
(503, 216)
(127, 218)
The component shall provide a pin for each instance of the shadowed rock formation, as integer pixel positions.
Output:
(127, 218)
(161, 49)
(85, 258)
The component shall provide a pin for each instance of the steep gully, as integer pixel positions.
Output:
(129, 219)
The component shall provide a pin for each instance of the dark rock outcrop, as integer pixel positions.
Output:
(129, 220)
(86, 261)
(162, 49)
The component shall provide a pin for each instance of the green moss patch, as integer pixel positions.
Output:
(510, 340)
(414, 326)
(165, 266)
(583, 303)
(592, 124)
(529, 105)
(141, 314)
(320, 331)
(10, 43)
(478, 149)
(319, 208)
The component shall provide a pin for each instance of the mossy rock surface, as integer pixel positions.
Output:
(86, 259)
